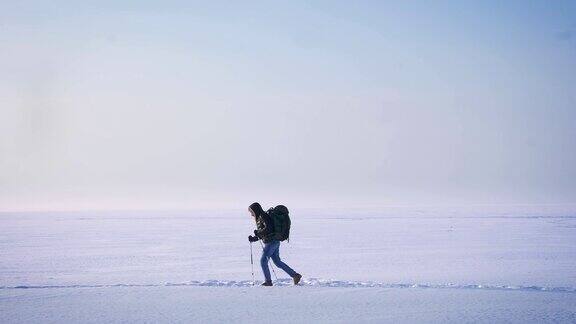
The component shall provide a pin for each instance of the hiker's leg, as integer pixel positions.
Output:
(266, 253)
(276, 258)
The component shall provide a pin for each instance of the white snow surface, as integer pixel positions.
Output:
(395, 264)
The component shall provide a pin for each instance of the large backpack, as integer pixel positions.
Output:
(281, 222)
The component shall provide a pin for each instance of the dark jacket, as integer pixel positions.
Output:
(264, 227)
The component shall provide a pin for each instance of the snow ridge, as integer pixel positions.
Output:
(313, 282)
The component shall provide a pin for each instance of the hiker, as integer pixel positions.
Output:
(265, 231)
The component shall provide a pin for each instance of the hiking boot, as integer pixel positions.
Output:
(297, 278)
(267, 283)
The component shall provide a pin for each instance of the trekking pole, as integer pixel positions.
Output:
(252, 263)
(271, 265)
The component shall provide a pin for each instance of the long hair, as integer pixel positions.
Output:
(257, 209)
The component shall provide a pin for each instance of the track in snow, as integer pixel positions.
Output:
(312, 282)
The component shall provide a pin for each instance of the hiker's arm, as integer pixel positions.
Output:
(267, 229)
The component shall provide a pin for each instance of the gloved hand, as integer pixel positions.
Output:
(252, 238)
(256, 233)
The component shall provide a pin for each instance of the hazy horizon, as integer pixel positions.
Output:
(180, 105)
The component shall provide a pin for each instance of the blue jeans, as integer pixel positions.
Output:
(272, 250)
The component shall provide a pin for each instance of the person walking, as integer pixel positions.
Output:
(265, 231)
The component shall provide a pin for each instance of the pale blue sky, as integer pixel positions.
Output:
(177, 104)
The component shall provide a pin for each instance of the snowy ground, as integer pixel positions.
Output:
(474, 264)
